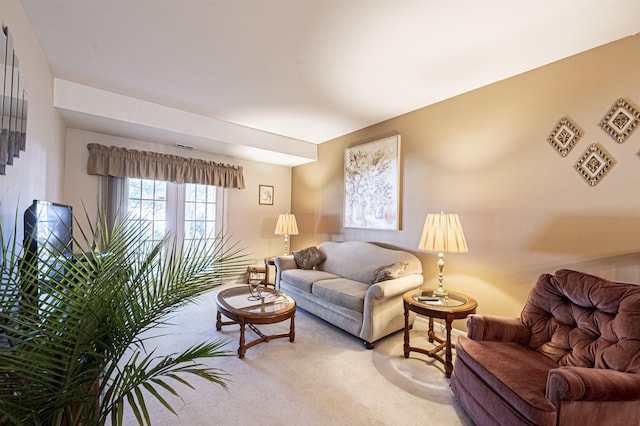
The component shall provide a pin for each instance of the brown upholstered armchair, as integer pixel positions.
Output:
(572, 358)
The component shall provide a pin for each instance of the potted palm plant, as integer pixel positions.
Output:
(71, 350)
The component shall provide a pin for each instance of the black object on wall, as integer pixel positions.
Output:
(13, 104)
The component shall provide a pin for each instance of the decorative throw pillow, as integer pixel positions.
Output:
(308, 258)
(389, 272)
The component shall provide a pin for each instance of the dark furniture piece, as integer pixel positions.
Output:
(269, 261)
(260, 274)
(238, 304)
(455, 306)
(48, 236)
(48, 248)
(255, 274)
(572, 358)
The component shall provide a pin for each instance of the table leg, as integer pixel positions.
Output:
(275, 278)
(266, 272)
(406, 330)
(218, 321)
(431, 332)
(292, 329)
(241, 348)
(448, 366)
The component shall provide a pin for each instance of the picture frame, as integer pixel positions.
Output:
(372, 185)
(265, 195)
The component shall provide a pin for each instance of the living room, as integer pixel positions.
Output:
(483, 154)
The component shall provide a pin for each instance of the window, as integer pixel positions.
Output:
(185, 211)
(200, 207)
(147, 206)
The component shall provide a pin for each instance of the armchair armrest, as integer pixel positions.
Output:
(591, 384)
(496, 328)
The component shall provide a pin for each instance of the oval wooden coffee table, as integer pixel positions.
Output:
(273, 306)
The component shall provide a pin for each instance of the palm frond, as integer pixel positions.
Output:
(79, 337)
(150, 373)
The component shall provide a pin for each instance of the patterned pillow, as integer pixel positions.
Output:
(389, 272)
(308, 258)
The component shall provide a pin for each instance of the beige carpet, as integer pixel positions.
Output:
(326, 377)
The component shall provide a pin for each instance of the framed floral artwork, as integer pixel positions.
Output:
(372, 185)
(265, 195)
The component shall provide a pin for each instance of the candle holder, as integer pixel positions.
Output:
(256, 288)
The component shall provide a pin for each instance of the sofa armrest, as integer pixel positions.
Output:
(391, 288)
(496, 328)
(282, 263)
(591, 384)
(285, 262)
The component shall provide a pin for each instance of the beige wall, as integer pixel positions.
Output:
(38, 173)
(485, 155)
(53, 167)
(247, 221)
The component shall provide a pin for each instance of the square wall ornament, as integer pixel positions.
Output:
(621, 120)
(594, 164)
(564, 136)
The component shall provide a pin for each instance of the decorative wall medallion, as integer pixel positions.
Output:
(564, 136)
(620, 121)
(594, 164)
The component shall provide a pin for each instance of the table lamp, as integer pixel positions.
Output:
(286, 226)
(442, 233)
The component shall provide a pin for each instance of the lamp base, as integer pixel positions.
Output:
(286, 244)
(440, 292)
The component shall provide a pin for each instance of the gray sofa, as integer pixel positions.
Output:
(340, 289)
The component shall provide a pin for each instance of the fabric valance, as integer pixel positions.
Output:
(123, 162)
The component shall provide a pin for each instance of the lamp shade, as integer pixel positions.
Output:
(286, 225)
(443, 233)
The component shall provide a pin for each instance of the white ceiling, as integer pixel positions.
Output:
(300, 72)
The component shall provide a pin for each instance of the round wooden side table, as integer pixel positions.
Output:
(455, 306)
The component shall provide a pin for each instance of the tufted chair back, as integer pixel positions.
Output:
(582, 320)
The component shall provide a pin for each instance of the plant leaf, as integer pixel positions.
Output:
(88, 324)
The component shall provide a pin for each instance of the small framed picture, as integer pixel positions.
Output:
(265, 195)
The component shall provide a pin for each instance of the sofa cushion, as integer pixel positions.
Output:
(308, 258)
(304, 279)
(389, 272)
(342, 292)
(514, 371)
